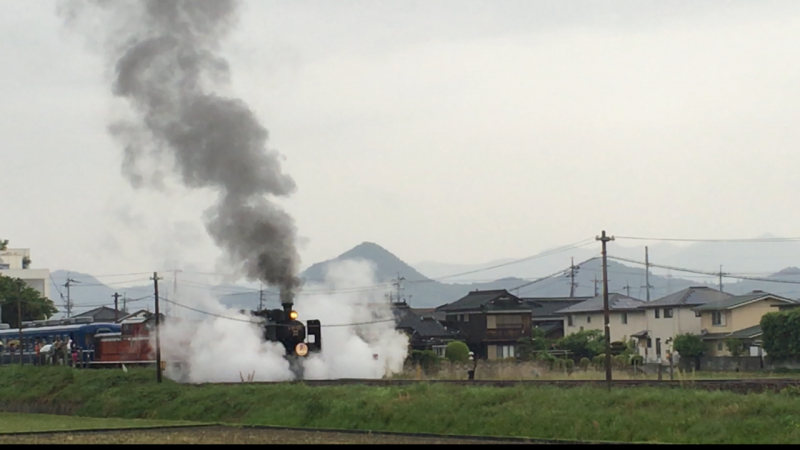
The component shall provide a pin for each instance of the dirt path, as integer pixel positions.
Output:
(222, 435)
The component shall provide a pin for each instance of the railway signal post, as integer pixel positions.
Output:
(158, 326)
(604, 240)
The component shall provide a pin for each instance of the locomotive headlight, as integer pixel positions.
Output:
(301, 349)
(293, 315)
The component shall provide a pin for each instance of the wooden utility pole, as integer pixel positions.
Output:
(596, 292)
(116, 306)
(605, 239)
(20, 347)
(647, 272)
(572, 271)
(261, 297)
(158, 326)
(627, 289)
(720, 278)
(69, 298)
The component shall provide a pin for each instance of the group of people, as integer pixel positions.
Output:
(57, 353)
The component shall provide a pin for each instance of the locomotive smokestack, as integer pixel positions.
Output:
(287, 301)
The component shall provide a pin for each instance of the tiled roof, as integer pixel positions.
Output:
(488, 300)
(693, 296)
(734, 301)
(548, 307)
(423, 326)
(616, 302)
(745, 334)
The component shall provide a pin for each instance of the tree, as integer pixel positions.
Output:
(690, 346)
(736, 348)
(583, 344)
(26, 262)
(34, 306)
(3, 244)
(529, 346)
(457, 351)
(781, 338)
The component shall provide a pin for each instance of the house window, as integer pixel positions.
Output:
(466, 317)
(624, 318)
(581, 328)
(667, 313)
(588, 319)
(508, 321)
(719, 346)
(717, 319)
(505, 351)
(570, 321)
(649, 343)
(658, 346)
(658, 313)
(439, 350)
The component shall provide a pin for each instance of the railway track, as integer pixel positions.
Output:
(743, 386)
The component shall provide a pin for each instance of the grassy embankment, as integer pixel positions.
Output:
(630, 415)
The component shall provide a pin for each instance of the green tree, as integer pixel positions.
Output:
(583, 344)
(34, 306)
(781, 338)
(529, 346)
(3, 244)
(690, 346)
(457, 351)
(735, 348)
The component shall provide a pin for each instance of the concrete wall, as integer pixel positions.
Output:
(38, 279)
(683, 320)
(13, 257)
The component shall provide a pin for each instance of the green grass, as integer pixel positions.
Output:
(20, 423)
(586, 413)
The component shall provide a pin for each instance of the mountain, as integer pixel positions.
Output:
(431, 284)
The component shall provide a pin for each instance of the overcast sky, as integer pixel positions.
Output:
(447, 130)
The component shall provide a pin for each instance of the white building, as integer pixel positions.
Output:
(670, 316)
(625, 316)
(15, 263)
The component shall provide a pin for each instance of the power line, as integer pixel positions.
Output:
(257, 322)
(700, 272)
(560, 272)
(790, 239)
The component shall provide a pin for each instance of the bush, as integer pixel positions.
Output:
(621, 361)
(599, 361)
(428, 360)
(570, 365)
(585, 363)
(637, 359)
(559, 364)
(457, 351)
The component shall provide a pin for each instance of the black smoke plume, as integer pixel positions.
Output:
(166, 64)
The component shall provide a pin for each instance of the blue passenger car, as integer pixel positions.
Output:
(82, 334)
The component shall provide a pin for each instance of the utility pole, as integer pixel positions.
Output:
(572, 271)
(628, 290)
(116, 306)
(398, 284)
(261, 297)
(720, 278)
(125, 302)
(647, 272)
(21, 347)
(605, 239)
(174, 290)
(69, 298)
(596, 292)
(158, 323)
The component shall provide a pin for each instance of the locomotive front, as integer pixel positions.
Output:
(298, 340)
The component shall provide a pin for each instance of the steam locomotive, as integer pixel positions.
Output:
(299, 341)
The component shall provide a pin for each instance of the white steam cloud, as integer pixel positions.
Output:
(219, 349)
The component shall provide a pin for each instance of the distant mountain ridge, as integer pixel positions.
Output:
(422, 289)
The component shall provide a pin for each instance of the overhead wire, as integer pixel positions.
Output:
(638, 238)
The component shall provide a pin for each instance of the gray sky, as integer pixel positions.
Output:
(454, 130)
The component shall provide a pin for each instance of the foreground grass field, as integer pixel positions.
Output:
(19, 423)
(629, 415)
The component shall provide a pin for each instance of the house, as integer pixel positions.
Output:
(491, 322)
(141, 314)
(736, 317)
(544, 313)
(15, 263)
(430, 312)
(102, 314)
(424, 331)
(670, 316)
(625, 316)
